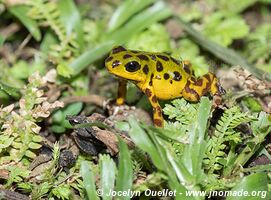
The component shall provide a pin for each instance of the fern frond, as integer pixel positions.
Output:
(179, 109)
(46, 13)
(182, 114)
(224, 134)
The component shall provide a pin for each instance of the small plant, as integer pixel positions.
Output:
(225, 136)
(19, 136)
(109, 175)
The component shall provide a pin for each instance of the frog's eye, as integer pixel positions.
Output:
(132, 66)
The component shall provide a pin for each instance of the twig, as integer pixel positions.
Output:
(95, 99)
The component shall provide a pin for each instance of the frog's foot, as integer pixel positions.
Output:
(120, 101)
(217, 101)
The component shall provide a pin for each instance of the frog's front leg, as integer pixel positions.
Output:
(121, 91)
(157, 110)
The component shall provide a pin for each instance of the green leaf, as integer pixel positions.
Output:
(25, 187)
(232, 5)
(23, 69)
(33, 145)
(64, 70)
(123, 126)
(71, 109)
(2, 40)
(194, 152)
(88, 181)
(259, 41)
(154, 39)
(17, 145)
(139, 136)
(225, 54)
(62, 191)
(48, 41)
(11, 91)
(138, 23)
(5, 141)
(143, 141)
(17, 174)
(30, 154)
(41, 190)
(124, 179)
(181, 191)
(127, 9)
(108, 172)
(37, 138)
(70, 17)
(20, 70)
(260, 129)
(253, 104)
(20, 11)
(256, 186)
(203, 116)
(58, 129)
(223, 28)
(181, 172)
(59, 117)
(90, 56)
(189, 50)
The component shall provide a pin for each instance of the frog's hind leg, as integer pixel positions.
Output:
(189, 92)
(121, 91)
(195, 88)
(187, 67)
(215, 89)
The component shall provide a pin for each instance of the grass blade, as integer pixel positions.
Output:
(108, 172)
(70, 17)
(88, 181)
(227, 55)
(125, 11)
(144, 142)
(125, 171)
(194, 152)
(252, 184)
(144, 19)
(20, 11)
(90, 56)
(139, 22)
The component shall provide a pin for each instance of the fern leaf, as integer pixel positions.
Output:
(224, 133)
(46, 13)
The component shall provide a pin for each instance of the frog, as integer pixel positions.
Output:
(160, 77)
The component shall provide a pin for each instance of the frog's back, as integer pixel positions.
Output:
(168, 77)
(159, 71)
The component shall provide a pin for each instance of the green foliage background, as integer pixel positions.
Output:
(190, 153)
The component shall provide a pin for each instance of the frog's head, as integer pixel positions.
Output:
(126, 64)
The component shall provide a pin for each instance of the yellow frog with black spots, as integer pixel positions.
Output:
(159, 76)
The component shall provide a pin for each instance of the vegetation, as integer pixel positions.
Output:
(52, 69)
